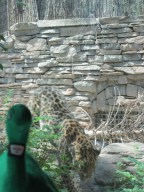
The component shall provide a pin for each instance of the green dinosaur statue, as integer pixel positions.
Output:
(19, 172)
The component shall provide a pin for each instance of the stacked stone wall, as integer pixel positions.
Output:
(97, 63)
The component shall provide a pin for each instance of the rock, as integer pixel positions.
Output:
(96, 59)
(36, 44)
(131, 90)
(48, 63)
(21, 29)
(122, 79)
(131, 57)
(88, 86)
(131, 70)
(137, 40)
(55, 41)
(109, 52)
(112, 58)
(107, 40)
(88, 42)
(106, 165)
(14, 69)
(116, 30)
(69, 91)
(54, 82)
(79, 57)
(53, 75)
(72, 31)
(104, 177)
(114, 26)
(50, 31)
(94, 106)
(89, 47)
(60, 49)
(112, 20)
(138, 29)
(9, 42)
(85, 104)
(101, 100)
(19, 45)
(131, 47)
(36, 70)
(86, 68)
(110, 46)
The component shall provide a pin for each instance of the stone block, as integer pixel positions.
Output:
(55, 41)
(120, 90)
(112, 58)
(50, 31)
(72, 31)
(130, 34)
(36, 70)
(88, 86)
(60, 49)
(131, 47)
(14, 70)
(138, 29)
(107, 40)
(114, 26)
(24, 38)
(132, 90)
(135, 77)
(109, 92)
(79, 57)
(122, 79)
(7, 80)
(48, 63)
(86, 68)
(96, 59)
(66, 22)
(56, 75)
(54, 81)
(21, 29)
(109, 52)
(101, 99)
(118, 30)
(88, 42)
(89, 37)
(85, 104)
(19, 45)
(94, 106)
(69, 91)
(108, 46)
(129, 64)
(77, 98)
(111, 20)
(36, 44)
(111, 101)
(131, 70)
(131, 57)
(137, 40)
(27, 76)
(89, 47)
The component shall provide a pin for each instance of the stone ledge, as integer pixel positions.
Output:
(67, 22)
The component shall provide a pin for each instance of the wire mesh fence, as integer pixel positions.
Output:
(14, 11)
(56, 9)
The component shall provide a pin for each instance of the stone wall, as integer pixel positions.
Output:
(97, 63)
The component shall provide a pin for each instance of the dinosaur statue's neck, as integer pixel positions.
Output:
(16, 173)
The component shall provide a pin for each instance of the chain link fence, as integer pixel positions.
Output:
(14, 11)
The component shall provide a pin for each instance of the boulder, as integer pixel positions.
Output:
(104, 176)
